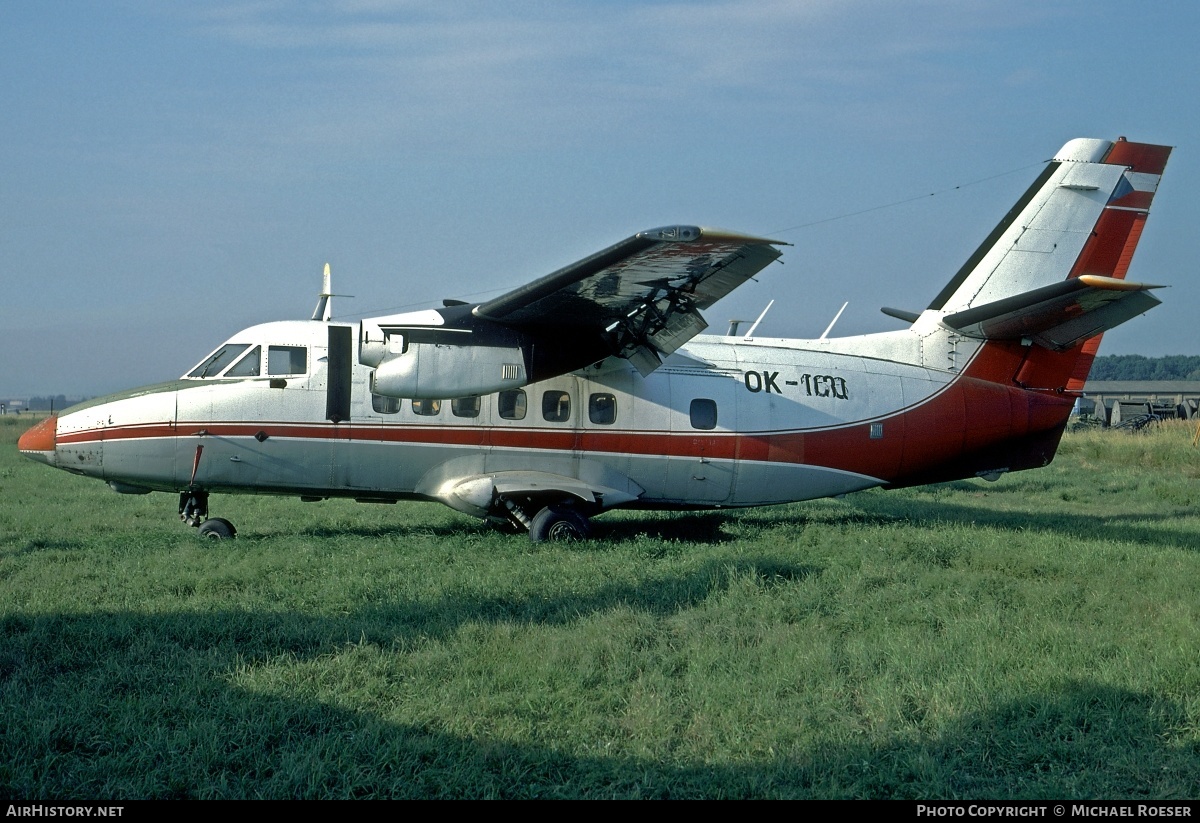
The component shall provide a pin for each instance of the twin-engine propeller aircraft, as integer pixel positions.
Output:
(589, 389)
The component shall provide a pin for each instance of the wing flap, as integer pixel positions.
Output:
(1058, 316)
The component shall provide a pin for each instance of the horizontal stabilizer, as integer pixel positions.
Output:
(901, 314)
(1060, 315)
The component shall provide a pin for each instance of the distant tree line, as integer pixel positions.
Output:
(1137, 367)
(59, 401)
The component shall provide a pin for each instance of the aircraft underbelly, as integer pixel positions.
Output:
(765, 483)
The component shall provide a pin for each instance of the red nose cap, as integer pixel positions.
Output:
(39, 441)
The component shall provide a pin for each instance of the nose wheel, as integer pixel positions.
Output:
(217, 528)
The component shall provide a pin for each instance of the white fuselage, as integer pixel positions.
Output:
(725, 422)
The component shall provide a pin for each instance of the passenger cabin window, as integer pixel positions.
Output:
(602, 409)
(510, 405)
(465, 406)
(427, 408)
(287, 360)
(703, 413)
(556, 406)
(216, 362)
(385, 405)
(248, 366)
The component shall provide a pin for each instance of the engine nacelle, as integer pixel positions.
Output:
(437, 371)
(375, 345)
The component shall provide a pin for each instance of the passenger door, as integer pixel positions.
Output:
(701, 464)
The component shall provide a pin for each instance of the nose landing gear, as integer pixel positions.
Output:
(193, 510)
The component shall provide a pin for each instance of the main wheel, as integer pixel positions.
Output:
(559, 523)
(218, 528)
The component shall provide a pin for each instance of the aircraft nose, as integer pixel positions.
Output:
(38, 443)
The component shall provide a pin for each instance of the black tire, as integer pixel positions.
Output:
(555, 523)
(218, 528)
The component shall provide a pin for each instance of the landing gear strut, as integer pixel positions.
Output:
(193, 510)
(193, 506)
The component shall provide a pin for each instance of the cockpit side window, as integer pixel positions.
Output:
(248, 366)
(287, 360)
(216, 362)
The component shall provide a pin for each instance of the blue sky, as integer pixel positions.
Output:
(171, 173)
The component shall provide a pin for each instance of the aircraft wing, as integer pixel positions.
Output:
(643, 295)
(1060, 315)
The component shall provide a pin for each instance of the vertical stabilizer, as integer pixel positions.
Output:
(1052, 273)
(1083, 215)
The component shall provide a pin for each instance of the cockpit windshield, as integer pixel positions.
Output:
(216, 362)
(248, 366)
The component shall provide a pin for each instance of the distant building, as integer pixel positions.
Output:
(1115, 400)
(23, 405)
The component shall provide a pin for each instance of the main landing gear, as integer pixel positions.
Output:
(193, 510)
(559, 521)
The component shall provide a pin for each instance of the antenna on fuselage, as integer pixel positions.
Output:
(324, 300)
(829, 328)
(750, 334)
(324, 309)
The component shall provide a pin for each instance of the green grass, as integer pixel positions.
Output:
(1032, 638)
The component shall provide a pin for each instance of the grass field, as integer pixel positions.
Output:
(1038, 637)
